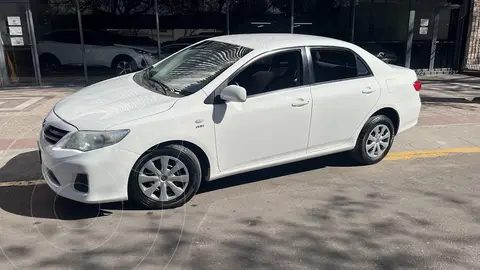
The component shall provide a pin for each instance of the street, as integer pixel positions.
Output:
(418, 209)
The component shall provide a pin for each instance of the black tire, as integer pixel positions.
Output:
(359, 153)
(125, 59)
(182, 153)
(49, 63)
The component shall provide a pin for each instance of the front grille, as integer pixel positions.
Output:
(53, 134)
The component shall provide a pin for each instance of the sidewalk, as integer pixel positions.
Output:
(450, 99)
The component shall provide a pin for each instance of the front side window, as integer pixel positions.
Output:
(332, 65)
(273, 72)
(191, 69)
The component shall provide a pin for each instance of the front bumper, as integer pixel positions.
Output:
(106, 170)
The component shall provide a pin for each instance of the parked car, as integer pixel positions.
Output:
(198, 37)
(386, 55)
(224, 106)
(102, 49)
(172, 48)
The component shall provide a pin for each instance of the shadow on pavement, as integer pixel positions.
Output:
(348, 228)
(23, 167)
(450, 100)
(351, 225)
(337, 160)
(39, 201)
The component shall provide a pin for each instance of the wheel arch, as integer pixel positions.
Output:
(48, 55)
(197, 150)
(392, 114)
(120, 56)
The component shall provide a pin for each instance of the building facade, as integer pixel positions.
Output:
(80, 42)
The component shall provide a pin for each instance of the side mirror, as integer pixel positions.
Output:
(234, 93)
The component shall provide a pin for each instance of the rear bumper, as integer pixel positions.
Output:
(409, 113)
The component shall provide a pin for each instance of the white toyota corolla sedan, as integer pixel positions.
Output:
(224, 106)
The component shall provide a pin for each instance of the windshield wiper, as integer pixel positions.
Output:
(157, 85)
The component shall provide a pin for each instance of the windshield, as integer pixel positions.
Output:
(191, 69)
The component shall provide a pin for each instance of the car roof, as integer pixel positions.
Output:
(278, 41)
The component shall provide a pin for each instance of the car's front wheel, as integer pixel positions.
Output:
(375, 140)
(166, 177)
(123, 64)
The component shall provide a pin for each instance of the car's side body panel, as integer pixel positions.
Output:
(66, 53)
(237, 147)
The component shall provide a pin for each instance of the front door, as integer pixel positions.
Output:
(16, 54)
(344, 94)
(273, 123)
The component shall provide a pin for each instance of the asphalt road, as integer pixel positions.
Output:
(319, 214)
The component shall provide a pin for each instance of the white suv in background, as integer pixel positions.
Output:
(102, 49)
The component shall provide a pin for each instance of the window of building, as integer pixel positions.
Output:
(277, 71)
(332, 65)
(330, 18)
(59, 47)
(381, 27)
(260, 16)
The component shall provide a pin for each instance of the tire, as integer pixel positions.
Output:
(174, 153)
(49, 63)
(360, 153)
(123, 64)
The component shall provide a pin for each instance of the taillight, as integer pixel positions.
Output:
(417, 85)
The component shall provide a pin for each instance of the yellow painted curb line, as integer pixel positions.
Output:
(22, 183)
(430, 153)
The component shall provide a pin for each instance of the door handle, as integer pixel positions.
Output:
(368, 90)
(300, 102)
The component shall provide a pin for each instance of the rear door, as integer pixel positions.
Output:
(344, 92)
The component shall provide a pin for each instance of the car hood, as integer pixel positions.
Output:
(111, 102)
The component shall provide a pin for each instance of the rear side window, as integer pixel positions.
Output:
(333, 65)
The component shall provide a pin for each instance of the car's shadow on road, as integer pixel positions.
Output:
(20, 196)
(337, 160)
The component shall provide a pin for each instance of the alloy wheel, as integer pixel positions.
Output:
(163, 178)
(378, 141)
(123, 67)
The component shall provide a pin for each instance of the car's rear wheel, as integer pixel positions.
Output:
(49, 63)
(165, 178)
(375, 140)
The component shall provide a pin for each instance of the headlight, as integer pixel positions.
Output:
(91, 140)
(142, 52)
